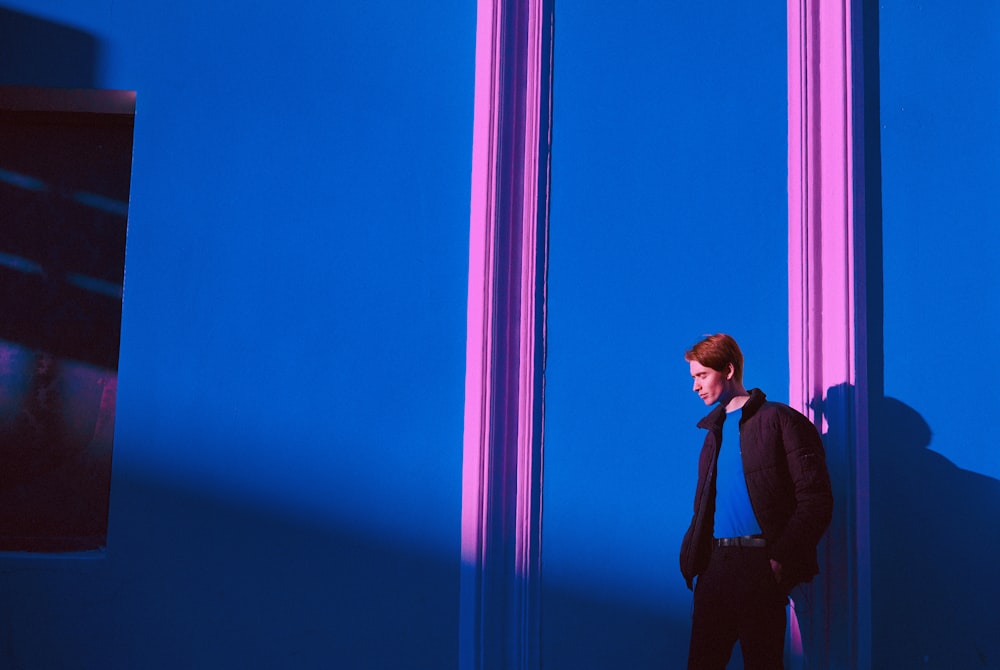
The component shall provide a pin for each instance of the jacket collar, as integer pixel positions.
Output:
(715, 418)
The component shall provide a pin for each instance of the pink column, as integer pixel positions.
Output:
(827, 325)
(502, 467)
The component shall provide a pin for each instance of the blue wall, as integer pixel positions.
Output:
(287, 465)
(669, 164)
(668, 222)
(286, 484)
(935, 470)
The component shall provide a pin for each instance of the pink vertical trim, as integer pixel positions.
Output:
(479, 327)
(828, 374)
(794, 633)
(502, 466)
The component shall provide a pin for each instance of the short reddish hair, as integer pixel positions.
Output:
(718, 352)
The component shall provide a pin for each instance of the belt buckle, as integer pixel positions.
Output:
(744, 541)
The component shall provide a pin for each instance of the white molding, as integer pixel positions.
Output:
(502, 464)
(827, 309)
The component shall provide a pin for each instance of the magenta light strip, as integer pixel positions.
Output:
(827, 336)
(502, 463)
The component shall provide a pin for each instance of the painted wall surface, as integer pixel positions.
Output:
(287, 463)
(668, 222)
(935, 468)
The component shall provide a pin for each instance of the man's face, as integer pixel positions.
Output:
(710, 385)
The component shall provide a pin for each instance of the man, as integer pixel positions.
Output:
(761, 504)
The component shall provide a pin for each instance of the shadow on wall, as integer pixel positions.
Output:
(35, 52)
(934, 539)
(53, 381)
(194, 581)
(935, 542)
(934, 529)
(64, 190)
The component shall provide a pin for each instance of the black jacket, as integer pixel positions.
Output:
(787, 479)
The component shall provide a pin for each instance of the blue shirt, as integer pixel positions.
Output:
(734, 515)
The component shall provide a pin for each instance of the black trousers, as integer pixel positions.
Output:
(737, 598)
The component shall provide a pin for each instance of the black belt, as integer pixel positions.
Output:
(745, 541)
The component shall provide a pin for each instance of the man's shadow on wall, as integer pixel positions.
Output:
(935, 540)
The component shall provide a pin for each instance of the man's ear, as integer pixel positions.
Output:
(732, 371)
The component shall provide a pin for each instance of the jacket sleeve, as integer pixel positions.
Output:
(813, 511)
(696, 544)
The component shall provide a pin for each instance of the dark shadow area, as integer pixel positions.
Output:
(829, 623)
(36, 52)
(64, 189)
(65, 173)
(191, 580)
(583, 631)
(935, 542)
(56, 432)
(868, 145)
